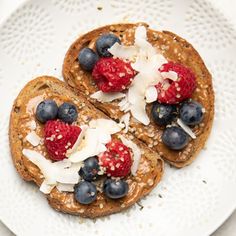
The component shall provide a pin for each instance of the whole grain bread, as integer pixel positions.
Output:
(174, 48)
(23, 113)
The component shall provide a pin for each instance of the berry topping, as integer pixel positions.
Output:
(175, 91)
(116, 161)
(104, 42)
(115, 189)
(59, 137)
(67, 112)
(112, 74)
(175, 138)
(163, 114)
(191, 113)
(85, 192)
(87, 59)
(90, 169)
(46, 110)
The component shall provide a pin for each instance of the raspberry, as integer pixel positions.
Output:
(59, 137)
(173, 92)
(112, 74)
(116, 160)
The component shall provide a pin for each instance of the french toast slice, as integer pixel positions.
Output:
(173, 48)
(150, 168)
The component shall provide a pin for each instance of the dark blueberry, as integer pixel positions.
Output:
(163, 114)
(87, 59)
(67, 112)
(191, 113)
(90, 169)
(104, 42)
(175, 138)
(85, 192)
(46, 110)
(115, 189)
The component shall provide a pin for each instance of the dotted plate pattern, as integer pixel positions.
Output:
(191, 201)
(226, 166)
(187, 193)
(153, 13)
(207, 26)
(37, 26)
(225, 86)
(72, 6)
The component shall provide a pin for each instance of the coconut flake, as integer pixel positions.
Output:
(186, 128)
(125, 119)
(141, 41)
(151, 94)
(46, 188)
(68, 176)
(92, 146)
(95, 139)
(138, 111)
(65, 163)
(54, 173)
(124, 104)
(89, 147)
(107, 97)
(172, 75)
(78, 141)
(33, 138)
(123, 52)
(136, 153)
(109, 126)
(44, 165)
(65, 187)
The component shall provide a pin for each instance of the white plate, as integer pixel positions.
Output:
(191, 201)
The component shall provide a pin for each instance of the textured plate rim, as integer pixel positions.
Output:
(228, 212)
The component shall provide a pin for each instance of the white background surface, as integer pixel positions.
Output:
(228, 8)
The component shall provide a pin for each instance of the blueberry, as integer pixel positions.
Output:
(67, 112)
(90, 169)
(115, 189)
(104, 42)
(85, 192)
(46, 110)
(175, 138)
(87, 59)
(163, 114)
(191, 113)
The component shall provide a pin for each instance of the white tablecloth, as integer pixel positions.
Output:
(228, 8)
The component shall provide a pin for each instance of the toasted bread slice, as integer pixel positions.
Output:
(174, 49)
(150, 167)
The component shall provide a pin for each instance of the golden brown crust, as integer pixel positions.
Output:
(150, 169)
(174, 48)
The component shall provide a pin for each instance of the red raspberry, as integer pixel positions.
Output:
(113, 74)
(116, 160)
(59, 137)
(173, 92)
